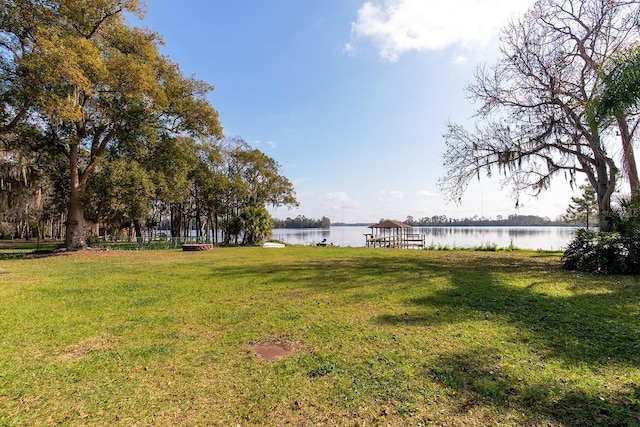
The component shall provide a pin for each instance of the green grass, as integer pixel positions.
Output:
(10, 249)
(382, 337)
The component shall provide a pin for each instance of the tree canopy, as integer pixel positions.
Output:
(89, 81)
(621, 89)
(137, 137)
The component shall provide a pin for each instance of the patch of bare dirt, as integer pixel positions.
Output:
(270, 351)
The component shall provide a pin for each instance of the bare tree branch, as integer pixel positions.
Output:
(532, 119)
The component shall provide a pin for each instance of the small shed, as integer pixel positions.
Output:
(393, 234)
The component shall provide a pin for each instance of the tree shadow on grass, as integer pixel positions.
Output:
(474, 381)
(324, 274)
(596, 323)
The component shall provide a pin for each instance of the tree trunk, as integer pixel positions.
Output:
(628, 155)
(76, 225)
(588, 214)
(211, 229)
(216, 227)
(176, 219)
(138, 228)
(603, 195)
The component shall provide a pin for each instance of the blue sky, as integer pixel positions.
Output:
(350, 97)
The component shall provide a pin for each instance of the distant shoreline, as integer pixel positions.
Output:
(452, 224)
(470, 224)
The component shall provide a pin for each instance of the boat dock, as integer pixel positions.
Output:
(393, 234)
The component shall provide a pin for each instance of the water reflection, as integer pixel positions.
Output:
(546, 238)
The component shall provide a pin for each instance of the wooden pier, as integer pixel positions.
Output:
(393, 234)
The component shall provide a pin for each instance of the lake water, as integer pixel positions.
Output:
(546, 238)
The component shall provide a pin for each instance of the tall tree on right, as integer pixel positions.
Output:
(619, 97)
(534, 104)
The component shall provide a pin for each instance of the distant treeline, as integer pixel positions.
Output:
(522, 220)
(302, 221)
(443, 220)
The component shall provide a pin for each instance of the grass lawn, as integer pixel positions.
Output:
(378, 337)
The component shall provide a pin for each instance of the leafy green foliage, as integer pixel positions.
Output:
(302, 221)
(616, 102)
(595, 253)
(120, 192)
(627, 217)
(321, 367)
(256, 224)
(622, 85)
(605, 253)
(615, 252)
(237, 182)
(93, 84)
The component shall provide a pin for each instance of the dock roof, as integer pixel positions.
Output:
(390, 224)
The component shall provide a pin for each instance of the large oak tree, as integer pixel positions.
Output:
(88, 80)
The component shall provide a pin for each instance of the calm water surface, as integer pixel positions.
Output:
(546, 238)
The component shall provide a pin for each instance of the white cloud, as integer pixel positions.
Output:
(338, 206)
(398, 26)
(334, 198)
(349, 49)
(270, 145)
(427, 194)
(389, 196)
(337, 202)
(460, 60)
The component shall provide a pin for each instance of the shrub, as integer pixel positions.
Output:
(626, 218)
(604, 253)
(6, 232)
(609, 253)
(94, 241)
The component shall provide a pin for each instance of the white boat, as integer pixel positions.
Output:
(273, 245)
